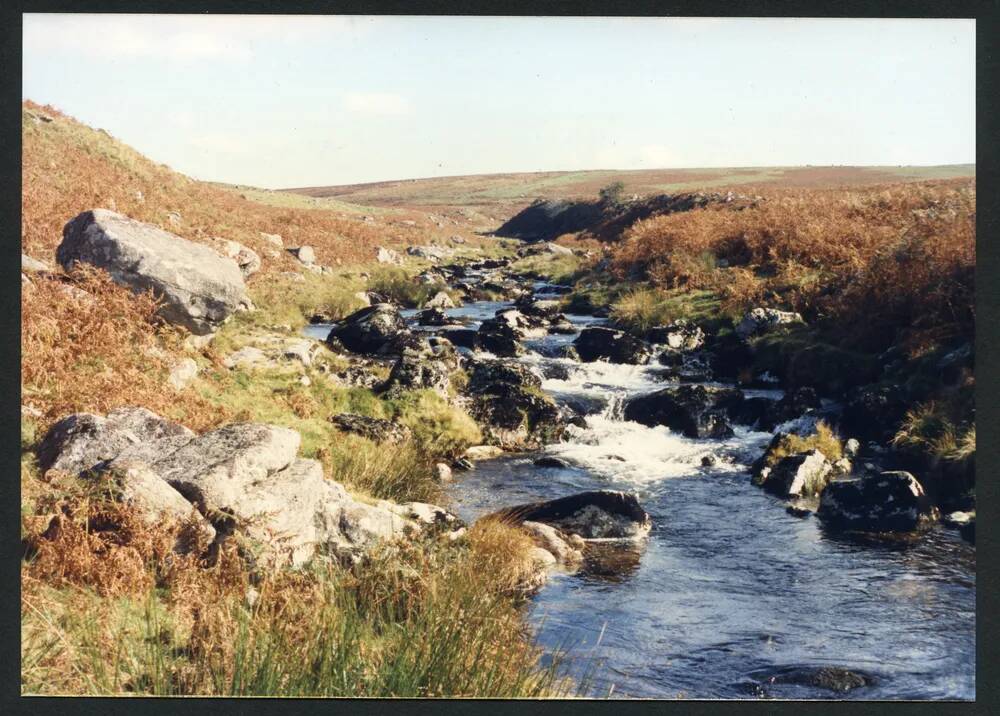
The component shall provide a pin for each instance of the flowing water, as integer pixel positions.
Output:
(729, 587)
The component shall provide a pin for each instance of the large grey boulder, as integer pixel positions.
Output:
(200, 288)
(82, 441)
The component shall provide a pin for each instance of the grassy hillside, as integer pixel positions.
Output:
(106, 607)
(503, 191)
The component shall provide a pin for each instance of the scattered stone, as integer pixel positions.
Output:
(475, 453)
(82, 441)
(273, 239)
(305, 254)
(200, 289)
(388, 256)
(183, 373)
(31, 265)
(692, 410)
(440, 300)
(679, 335)
(246, 258)
(761, 320)
(550, 461)
(554, 542)
(443, 472)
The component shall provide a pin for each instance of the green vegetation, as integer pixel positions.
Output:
(612, 193)
(823, 439)
(548, 267)
(640, 309)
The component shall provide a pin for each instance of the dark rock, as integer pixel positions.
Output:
(375, 429)
(679, 335)
(426, 365)
(762, 320)
(463, 464)
(600, 514)
(502, 336)
(831, 678)
(887, 502)
(598, 343)
(367, 331)
(692, 410)
(874, 412)
(432, 317)
(508, 404)
(550, 461)
(462, 337)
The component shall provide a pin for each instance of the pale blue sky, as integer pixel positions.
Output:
(280, 101)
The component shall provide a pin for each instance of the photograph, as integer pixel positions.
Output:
(511, 357)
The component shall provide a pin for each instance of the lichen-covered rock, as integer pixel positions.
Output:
(388, 256)
(761, 320)
(440, 300)
(367, 331)
(305, 254)
(376, 429)
(426, 365)
(182, 373)
(507, 402)
(554, 542)
(82, 441)
(679, 335)
(200, 289)
(885, 502)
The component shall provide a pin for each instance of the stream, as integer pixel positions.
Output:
(729, 589)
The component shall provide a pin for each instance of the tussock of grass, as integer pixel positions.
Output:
(555, 269)
(644, 308)
(439, 427)
(417, 620)
(400, 284)
(930, 430)
(824, 440)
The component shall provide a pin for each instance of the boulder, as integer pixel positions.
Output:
(367, 331)
(182, 373)
(440, 300)
(426, 365)
(82, 441)
(375, 429)
(679, 335)
(30, 265)
(199, 288)
(831, 678)
(388, 256)
(246, 258)
(598, 343)
(501, 337)
(761, 320)
(434, 253)
(554, 542)
(462, 337)
(599, 514)
(273, 239)
(157, 501)
(305, 254)
(885, 502)
(550, 461)
(801, 475)
(432, 317)
(482, 452)
(443, 472)
(692, 410)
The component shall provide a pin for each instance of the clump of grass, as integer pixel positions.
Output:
(823, 439)
(400, 284)
(641, 309)
(281, 300)
(930, 430)
(401, 473)
(439, 427)
(555, 269)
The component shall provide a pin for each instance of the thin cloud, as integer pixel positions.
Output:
(376, 103)
(181, 38)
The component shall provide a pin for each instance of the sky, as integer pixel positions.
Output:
(292, 101)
